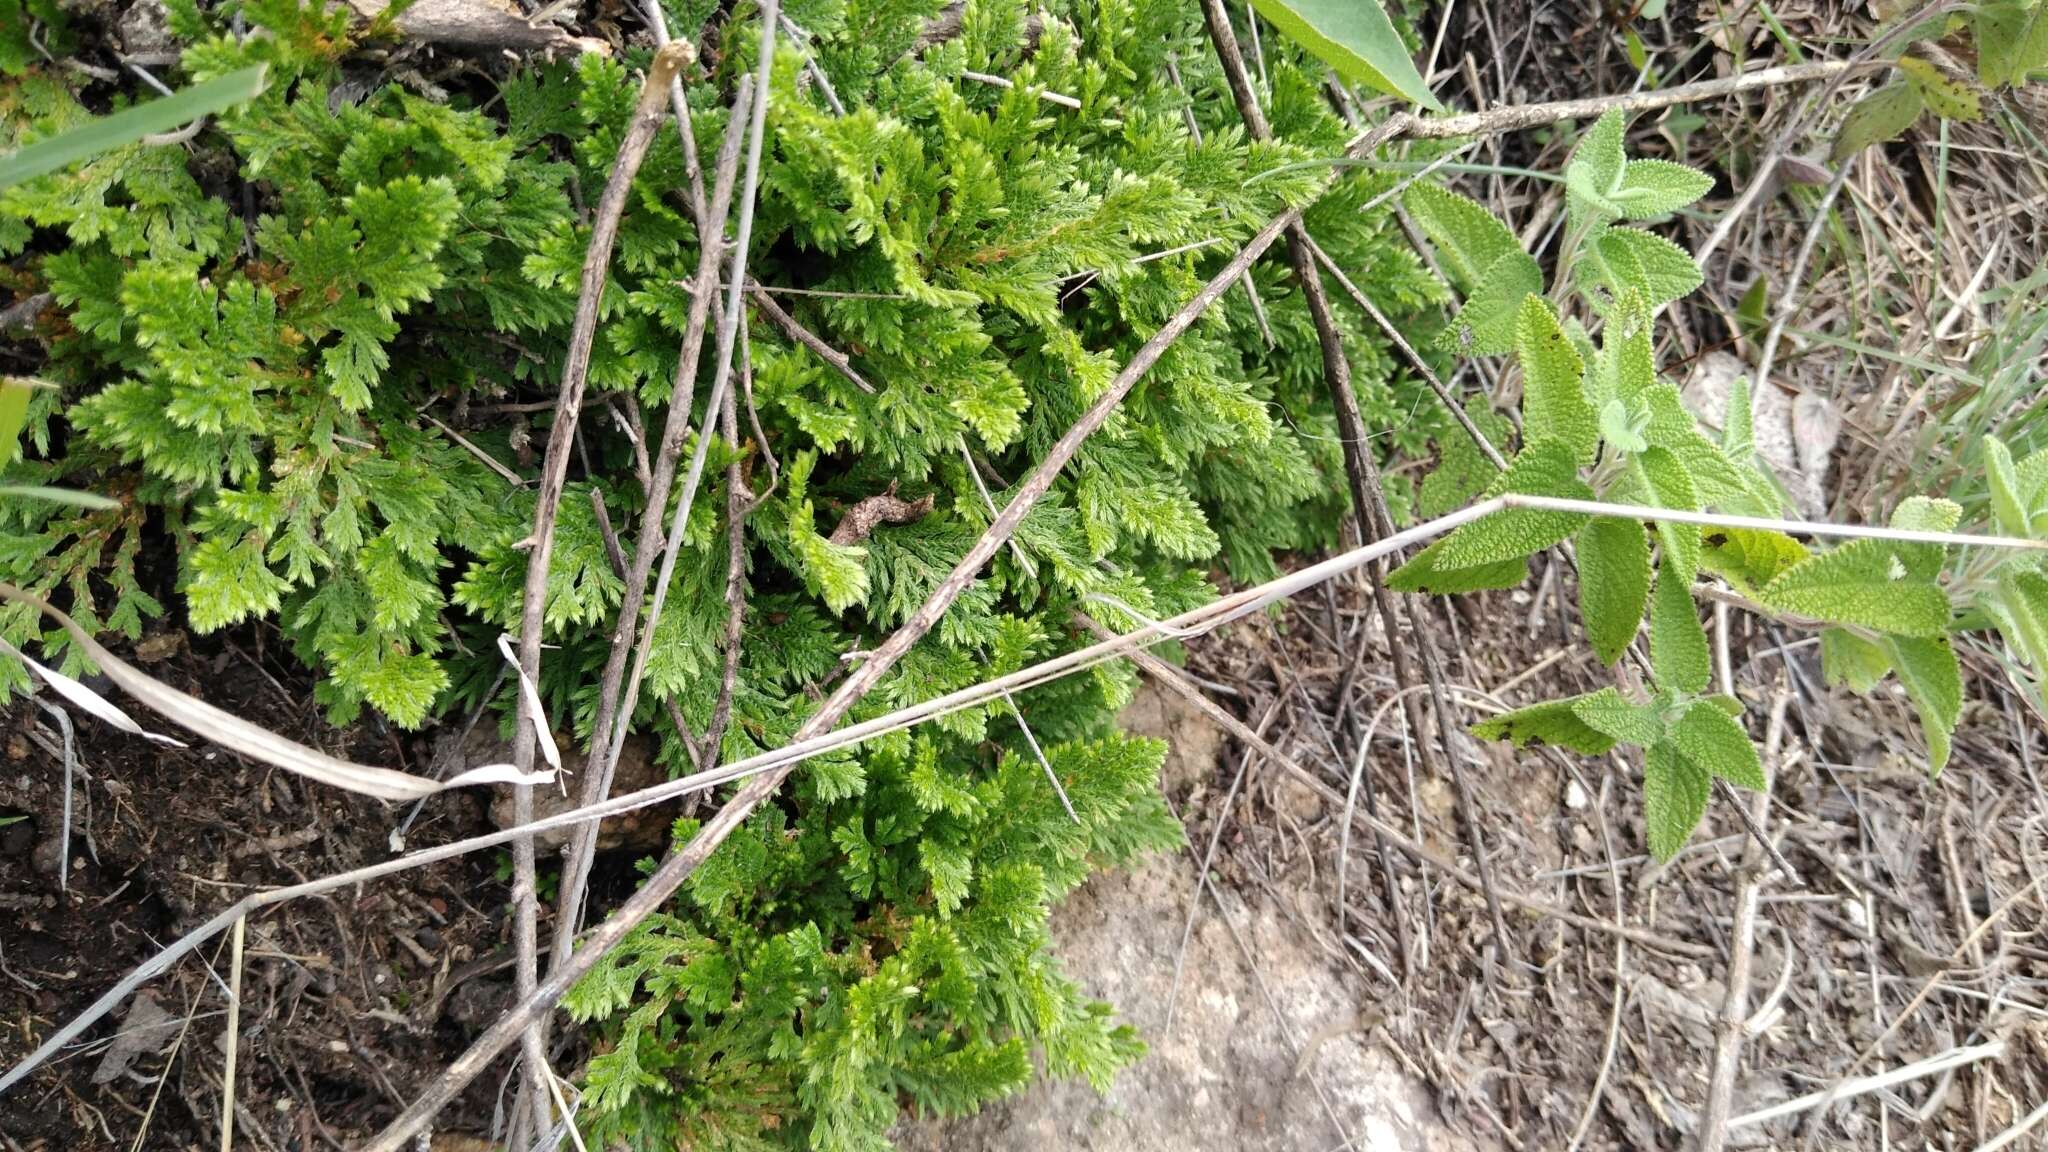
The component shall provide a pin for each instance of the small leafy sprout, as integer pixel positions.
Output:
(1600, 423)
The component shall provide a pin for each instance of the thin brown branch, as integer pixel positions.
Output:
(640, 130)
(597, 779)
(1730, 1029)
(766, 305)
(738, 502)
(1516, 117)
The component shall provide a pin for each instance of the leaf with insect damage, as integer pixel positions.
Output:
(1553, 383)
(1554, 722)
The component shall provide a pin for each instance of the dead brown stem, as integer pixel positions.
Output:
(647, 116)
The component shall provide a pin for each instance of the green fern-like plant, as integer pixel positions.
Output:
(1599, 423)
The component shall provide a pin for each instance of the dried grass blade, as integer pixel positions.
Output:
(239, 735)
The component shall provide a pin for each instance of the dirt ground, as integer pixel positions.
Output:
(351, 999)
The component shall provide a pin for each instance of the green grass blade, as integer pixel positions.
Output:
(130, 125)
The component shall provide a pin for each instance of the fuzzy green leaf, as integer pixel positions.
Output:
(1610, 713)
(1553, 391)
(1543, 468)
(1678, 643)
(1594, 173)
(1468, 239)
(1748, 558)
(1934, 680)
(1462, 470)
(1667, 484)
(1864, 582)
(1847, 658)
(1614, 583)
(1883, 115)
(1485, 324)
(1629, 259)
(1553, 722)
(1675, 792)
(1651, 188)
(2010, 506)
(2022, 602)
(1422, 574)
(1356, 38)
(1711, 739)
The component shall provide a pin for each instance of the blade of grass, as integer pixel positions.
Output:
(129, 125)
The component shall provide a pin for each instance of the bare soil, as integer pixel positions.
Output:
(351, 999)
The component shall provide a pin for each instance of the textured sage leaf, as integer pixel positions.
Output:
(1485, 324)
(1712, 739)
(2023, 615)
(1354, 37)
(1678, 643)
(129, 125)
(1625, 259)
(1593, 174)
(1551, 722)
(1651, 188)
(2009, 503)
(1462, 470)
(1614, 583)
(1863, 582)
(1623, 430)
(1610, 713)
(1934, 681)
(1848, 658)
(1422, 574)
(1748, 558)
(1553, 383)
(1669, 485)
(1542, 468)
(1468, 239)
(1675, 794)
(1883, 115)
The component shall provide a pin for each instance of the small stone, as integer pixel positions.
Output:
(1574, 796)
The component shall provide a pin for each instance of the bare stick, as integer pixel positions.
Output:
(1730, 1029)
(1414, 358)
(646, 119)
(1515, 117)
(603, 760)
(767, 306)
(736, 508)
(233, 1037)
